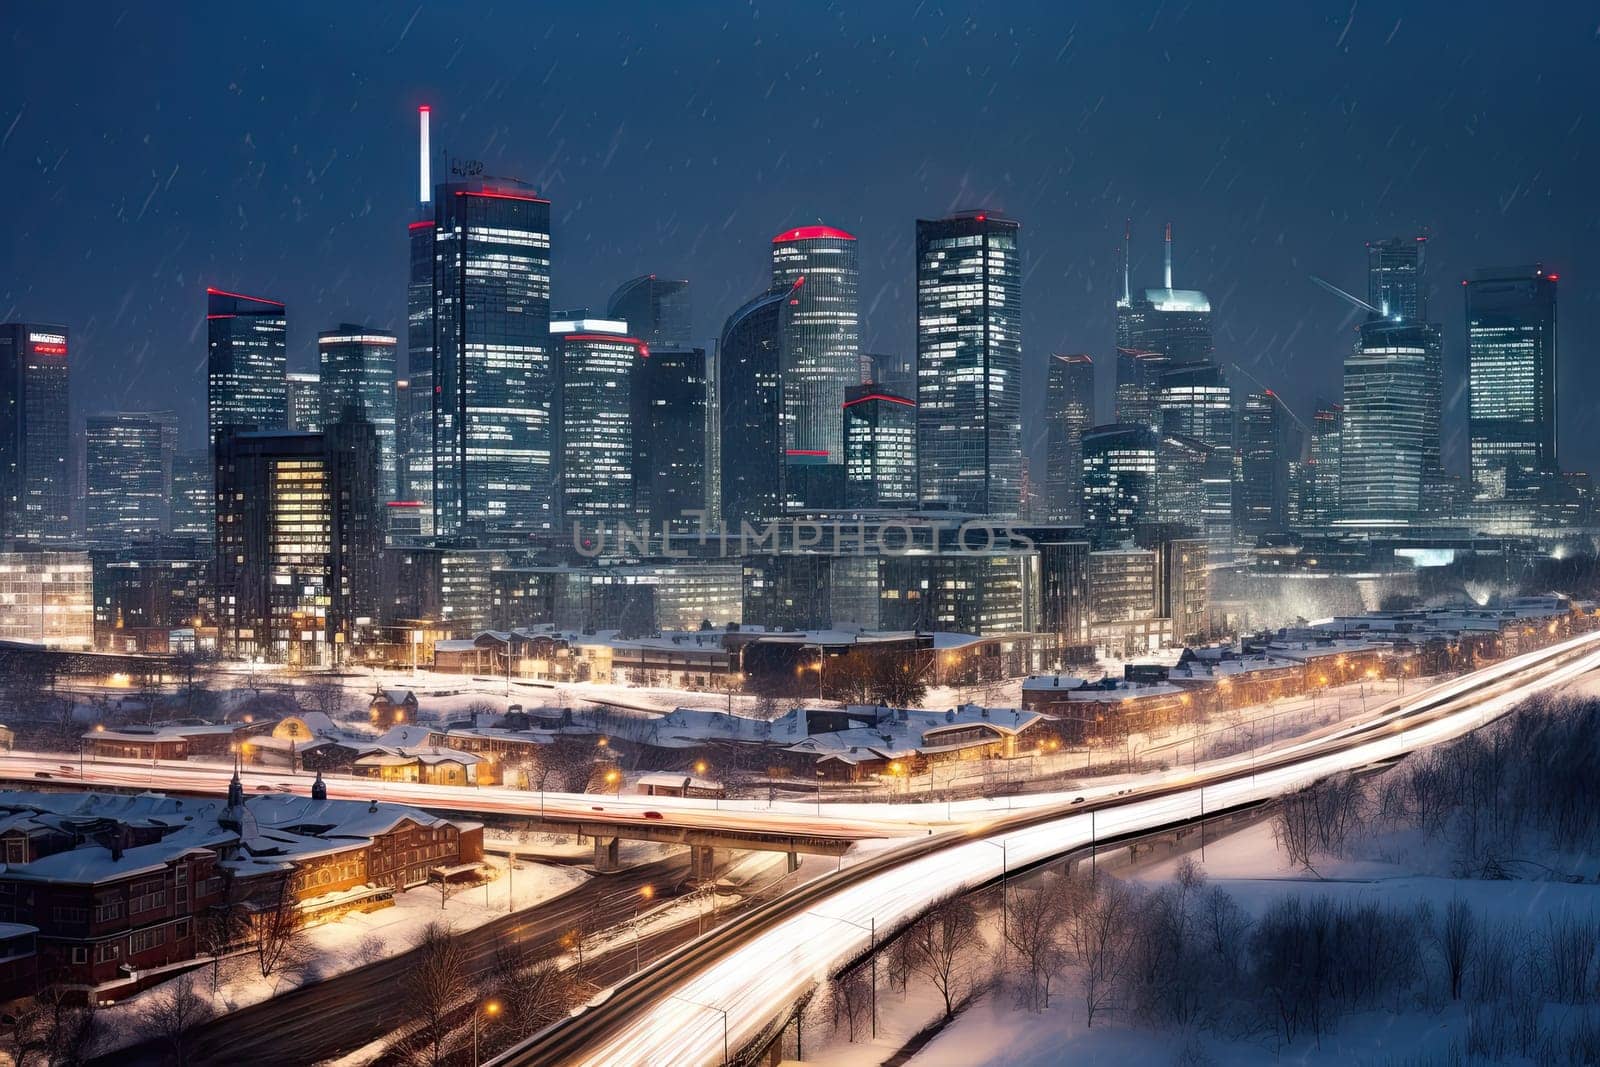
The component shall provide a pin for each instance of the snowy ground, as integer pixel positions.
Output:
(357, 939)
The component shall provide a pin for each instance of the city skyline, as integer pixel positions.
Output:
(1239, 235)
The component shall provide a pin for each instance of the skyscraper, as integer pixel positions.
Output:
(880, 447)
(303, 400)
(298, 539)
(821, 346)
(1511, 374)
(1395, 279)
(494, 383)
(969, 363)
(358, 371)
(1194, 400)
(1156, 329)
(1119, 479)
(893, 372)
(246, 353)
(1266, 446)
(417, 486)
(655, 309)
(1384, 435)
(1069, 413)
(1320, 499)
(193, 500)
(128, 459)
(35, 500)
(597, 426)
(669, 436)
(750, 391)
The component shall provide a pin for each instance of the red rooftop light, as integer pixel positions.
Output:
(812, 233)
(503, 196)
(240, 296)
(881, 396)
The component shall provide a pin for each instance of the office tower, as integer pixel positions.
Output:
(892, 372)
(969, 363)
(1395, 278)
(1511, 376)
(299, 536)
(494, 384)
(1156, 329)
(1068, 414)
(880, 448)
(128, 459)
(596, 436)
(35, 497)
(1194, 400)
(821, 357)
(403, 414)
(1181, 485)
(48, 596)
(246, 352)
(1384, 435)
(750, 391)
(1119, 479)
(1320, 497)
(655, 309)
(416, 469)
(669, 437)
(303, 400)
(1267, 443)
(358, 371)
(194, 503)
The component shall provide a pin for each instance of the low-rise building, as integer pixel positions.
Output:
(392, 707)
(427, 766)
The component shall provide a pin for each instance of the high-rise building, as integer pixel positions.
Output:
(892, 372)
(1181, 486)
(1320, 497)
(494, 384)
(1119, 479)
(1156, 329)
(1068, 414)
(128, 459)
(655, 309)
(246, 353)
(1383, 440)
(358, 371)
(299, 538)
(669, 437)
(193, 502)
(597, 368)
(821, 357)
(1511, 377)
(48, 598)
(303, 400)
(416, 468)
(880, 448)
(1267, 443)
(35, 498)
(969, 363)
(1194, 400)
(404, 400)
(1395, 278)
(750, 395)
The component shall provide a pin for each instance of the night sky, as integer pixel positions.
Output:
(271, 149)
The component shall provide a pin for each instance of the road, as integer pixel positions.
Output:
(328, 1019)
(723, 990)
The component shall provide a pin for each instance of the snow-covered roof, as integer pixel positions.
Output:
(676, 780)
(1073, 688)
(381, 756)
(398, 696)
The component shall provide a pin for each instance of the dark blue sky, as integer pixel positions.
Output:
(271, 149)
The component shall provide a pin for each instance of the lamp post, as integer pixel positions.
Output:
(491, 1009)
(646, 893)
(1005, 873)
(872, 955)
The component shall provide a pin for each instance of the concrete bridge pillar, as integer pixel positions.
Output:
(702, 863)
(605, 855)
(794, 862)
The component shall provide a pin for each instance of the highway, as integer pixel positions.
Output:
(703, 1002)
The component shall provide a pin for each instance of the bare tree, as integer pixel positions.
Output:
(174, 1012)
(54, 1027)
(1457, 938)
(433, 986)
(534, 990)
(940, 944)
(852, 1001)
(1034, 929)
(281, 944)
(1097, 934)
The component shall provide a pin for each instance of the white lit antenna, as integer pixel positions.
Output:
(426, 189)
(1169, 255)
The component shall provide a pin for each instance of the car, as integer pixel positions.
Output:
(263, 789)
(654, 815)
(41, 774)
(66, 768)
(1077, 800)
(596, 807)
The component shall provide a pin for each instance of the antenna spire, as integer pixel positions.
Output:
(425, 190)
(1169, 255)
(1127, 236)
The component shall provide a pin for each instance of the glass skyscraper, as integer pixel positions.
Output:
(128, 459)
(1156, 329)
(880, 447)
(1511, 374)
(247, 352)
(1320, 498)
(1069, 413)
(1397, 288)
(303, 400)
(35, 498)
(1119, 479)
(969, 363)
(669, 436)
(193, 501)
(1383, 441)
(358, 371)
(597, 426)
(655, 309)
(1267, 443)
(821, 357)
(750, 392)
(494, 379)
(1194, 400)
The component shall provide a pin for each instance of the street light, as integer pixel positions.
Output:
(491, 1009)
(646, 894)
(872, 956)
(614, 777)
(711, 1007)
(1005, 873)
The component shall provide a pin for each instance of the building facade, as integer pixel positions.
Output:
(669, 437)
(47, 598)
(880, 447)
(1511, 378)
(358, 371)
(246, 364)
(657, 310)
(750, 395)
(969, 363)
(303, 400)
(1119, 479)
(1384, 435)
(35, 494)
(128, 459)
(598, 371)
(1069, 414)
